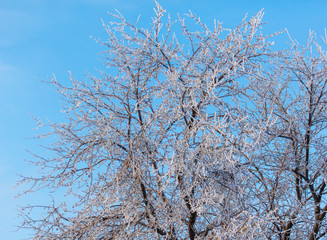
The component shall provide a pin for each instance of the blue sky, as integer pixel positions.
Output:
(39, 38)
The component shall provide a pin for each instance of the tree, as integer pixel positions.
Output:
(194, 134)
(291, 165)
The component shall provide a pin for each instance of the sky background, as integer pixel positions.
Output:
(39, 38)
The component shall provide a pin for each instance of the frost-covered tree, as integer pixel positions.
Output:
(191, 133)
(291, 166)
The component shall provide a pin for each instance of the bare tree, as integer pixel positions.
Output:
(291, 165)
(194, 133)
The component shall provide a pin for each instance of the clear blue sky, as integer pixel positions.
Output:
(39, 38)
